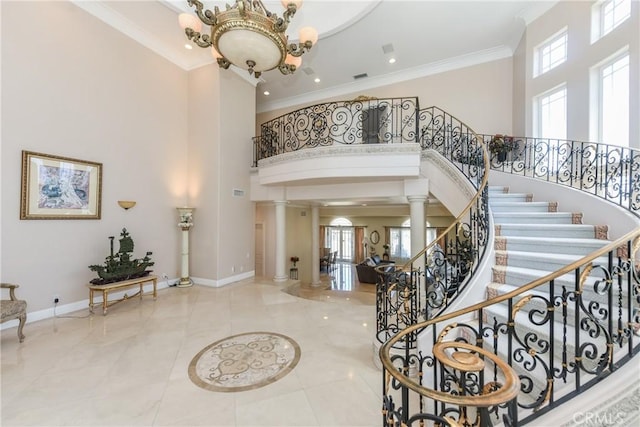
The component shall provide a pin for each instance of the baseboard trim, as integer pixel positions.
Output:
(48, 313)
(225, 281)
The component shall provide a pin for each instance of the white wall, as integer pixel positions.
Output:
(582, 55)
(480, 95)
(166, 138)
(72, 86)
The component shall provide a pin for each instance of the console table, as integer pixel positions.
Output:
(110, 287)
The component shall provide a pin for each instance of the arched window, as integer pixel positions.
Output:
(341, 222)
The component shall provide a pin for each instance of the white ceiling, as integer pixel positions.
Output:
(427, 37)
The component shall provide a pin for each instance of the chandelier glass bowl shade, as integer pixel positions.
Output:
(249, 36)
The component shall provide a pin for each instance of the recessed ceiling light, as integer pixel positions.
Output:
(188, 46)
(317, 80)
(392, 60)
(266, 93)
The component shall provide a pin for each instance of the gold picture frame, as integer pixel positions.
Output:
(55, 187)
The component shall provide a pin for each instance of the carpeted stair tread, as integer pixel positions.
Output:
(511, 197)
(565, 245)
(554, 261)
(536, 218)
(552, 230)
(520, 206)
(519, 276)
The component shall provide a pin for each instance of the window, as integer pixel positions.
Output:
(607, 15)
(613, 100)
(400, 242)
(550, 53)
(551, 114)
(340, 238)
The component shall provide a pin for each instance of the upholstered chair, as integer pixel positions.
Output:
(13, 308)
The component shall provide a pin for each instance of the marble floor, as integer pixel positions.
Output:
(130, 367)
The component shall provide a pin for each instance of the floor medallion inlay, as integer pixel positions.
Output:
(244, 362)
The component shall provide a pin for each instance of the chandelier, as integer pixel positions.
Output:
(248, 36)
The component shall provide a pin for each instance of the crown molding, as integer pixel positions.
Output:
(450, 64)
(116, 20)
(535, 10)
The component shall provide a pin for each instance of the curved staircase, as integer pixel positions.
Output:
(532, 240)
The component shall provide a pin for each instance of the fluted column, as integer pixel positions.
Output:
(281, 242)
(418, 231)
(315, 246)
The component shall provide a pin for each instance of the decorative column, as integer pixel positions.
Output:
(418, 231)
(315, 246)
(185, 224)
(281, 242)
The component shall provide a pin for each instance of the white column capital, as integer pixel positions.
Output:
(417, 198)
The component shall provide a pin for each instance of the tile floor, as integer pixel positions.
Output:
(129, 368)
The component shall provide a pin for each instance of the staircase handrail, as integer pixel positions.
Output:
(626, 248)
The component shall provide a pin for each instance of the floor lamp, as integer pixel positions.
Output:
(185, 224)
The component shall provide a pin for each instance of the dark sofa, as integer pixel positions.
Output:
(366, 269)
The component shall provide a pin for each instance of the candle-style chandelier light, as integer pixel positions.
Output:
(248, 36)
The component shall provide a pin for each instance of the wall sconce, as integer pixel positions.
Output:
(126, 204)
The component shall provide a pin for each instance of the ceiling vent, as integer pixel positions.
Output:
(308, 71)
(360, 76)
(238, 193)
(387, 48)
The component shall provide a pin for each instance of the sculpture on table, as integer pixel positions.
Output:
(121, 266)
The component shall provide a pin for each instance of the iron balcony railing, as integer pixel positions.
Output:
(360, 121)
(607, 171)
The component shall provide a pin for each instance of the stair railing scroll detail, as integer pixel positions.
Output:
(409, 294)
(599, 317)
(610, 172)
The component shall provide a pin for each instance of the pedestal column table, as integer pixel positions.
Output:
(185, 224)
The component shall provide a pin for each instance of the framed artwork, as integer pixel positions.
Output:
(374, 237)
(55, 187)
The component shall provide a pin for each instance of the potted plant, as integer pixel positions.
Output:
(500, 145)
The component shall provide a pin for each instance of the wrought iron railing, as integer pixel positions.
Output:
(465, 380)
(607, 171)
(428, 282)
(561, 340)
(361, 121)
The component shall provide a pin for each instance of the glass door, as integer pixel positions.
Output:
(341, 240)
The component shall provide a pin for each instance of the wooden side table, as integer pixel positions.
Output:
(109, 287)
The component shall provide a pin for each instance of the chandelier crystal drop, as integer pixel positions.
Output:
(249, 36)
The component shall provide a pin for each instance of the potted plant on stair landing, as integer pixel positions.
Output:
(501, 145)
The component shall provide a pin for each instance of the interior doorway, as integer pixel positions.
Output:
(259, 250)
